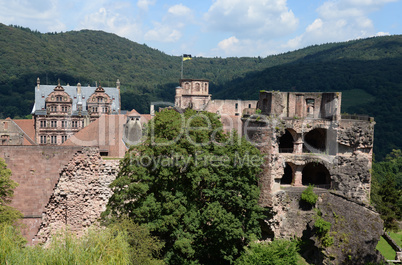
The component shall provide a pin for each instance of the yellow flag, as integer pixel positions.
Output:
(186, 57)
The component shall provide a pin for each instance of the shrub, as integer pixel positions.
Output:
(322, 230)
(309, 196)
(322, 226)
(97, 246)
(278, 252)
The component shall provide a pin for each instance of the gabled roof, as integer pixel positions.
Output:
(27, 127)
(133, 112)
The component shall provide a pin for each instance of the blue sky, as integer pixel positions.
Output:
(215, 28)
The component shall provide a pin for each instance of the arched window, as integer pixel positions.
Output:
(287, 176)
(315, 141)
(286, 142)
(316, 174)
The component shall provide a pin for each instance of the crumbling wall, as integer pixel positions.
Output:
(36, 169)
(81, 194)
(352, 177)
(356, 134)
(355, 229)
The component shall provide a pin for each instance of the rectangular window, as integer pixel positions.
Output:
(42, 124)
(63, 138)
(43, 139)
(53, 139)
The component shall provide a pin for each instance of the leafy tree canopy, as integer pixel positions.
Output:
(195, 187)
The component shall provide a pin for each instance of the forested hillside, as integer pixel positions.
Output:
(368, 72)
(87, 56)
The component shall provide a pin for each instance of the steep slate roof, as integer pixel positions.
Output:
(44, 90)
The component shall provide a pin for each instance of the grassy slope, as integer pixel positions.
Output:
(385, 249)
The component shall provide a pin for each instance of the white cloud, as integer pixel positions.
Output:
(111, 20)
(144, 4)
(316, 25)
(36, 14)
(163, 33)
(170, 28)
(179, 10)
(251, 18)
(228, 44)
(382, 34)
(339, 20)
(252, 24)
(232, 47)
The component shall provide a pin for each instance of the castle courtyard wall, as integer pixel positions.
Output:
(36, 169)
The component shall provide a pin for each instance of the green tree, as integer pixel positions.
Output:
(386, 189)
(195, 187)
(7, 213)
(389, 203)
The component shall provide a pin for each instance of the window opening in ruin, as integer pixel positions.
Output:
(265, 104)
(287, 176)
(316, 174)
(104, 153)
(286, 142)
(315, 141)
(310, 107)
(236, 106)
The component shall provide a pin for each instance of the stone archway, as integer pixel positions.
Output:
(286, 142)
(287, 177)
(315, 141)
(316, 174)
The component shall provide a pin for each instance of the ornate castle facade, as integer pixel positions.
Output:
(60, 112)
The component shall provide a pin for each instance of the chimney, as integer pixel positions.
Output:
(152, 110)
(38, 83)
(118, 88)
(79, 89)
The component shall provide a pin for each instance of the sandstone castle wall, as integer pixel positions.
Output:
(36, 169)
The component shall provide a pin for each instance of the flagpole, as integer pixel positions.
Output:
(181, 67)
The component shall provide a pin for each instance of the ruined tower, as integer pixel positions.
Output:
(306, 141)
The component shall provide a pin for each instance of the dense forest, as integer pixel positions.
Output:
(366, 71)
